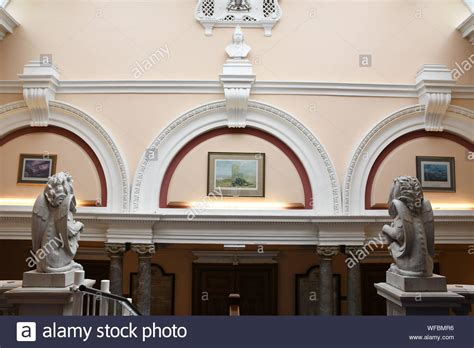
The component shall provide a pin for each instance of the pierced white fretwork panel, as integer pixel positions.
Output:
(246, 13)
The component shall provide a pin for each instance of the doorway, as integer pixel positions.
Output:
(256, 284)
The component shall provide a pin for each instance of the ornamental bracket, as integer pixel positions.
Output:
(40, 82)
(434, 84)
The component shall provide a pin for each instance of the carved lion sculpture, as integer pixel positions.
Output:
(54, 232)
(411, 234)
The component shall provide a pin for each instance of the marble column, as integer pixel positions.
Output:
(116, 251)
(354, 299)
(142, 297)
(326, 288)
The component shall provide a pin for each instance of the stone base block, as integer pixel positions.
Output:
(435, 283)
(401, 302)
(34, 279)
(45, 301)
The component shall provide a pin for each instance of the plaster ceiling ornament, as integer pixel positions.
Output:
(229, 13)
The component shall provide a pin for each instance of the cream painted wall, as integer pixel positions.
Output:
(340, 123)
(318, 41)
(8, 98)
(71, 158)
(465, 103)
(402, 161)
(135, 120)
(282, 182)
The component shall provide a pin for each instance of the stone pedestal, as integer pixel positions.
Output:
(417, 296)
(47, 293)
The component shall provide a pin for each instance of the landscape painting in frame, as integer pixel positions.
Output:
(36, 169)
(236, 174)
(436, 173)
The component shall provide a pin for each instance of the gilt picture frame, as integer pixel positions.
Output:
(236, 174)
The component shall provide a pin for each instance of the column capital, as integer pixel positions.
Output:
(115, 248)
(144, 250)
(327, 252)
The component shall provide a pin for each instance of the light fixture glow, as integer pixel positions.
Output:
(243, 205)
(453, 206)
(26, 202)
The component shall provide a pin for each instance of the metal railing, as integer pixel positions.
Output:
(92, 302)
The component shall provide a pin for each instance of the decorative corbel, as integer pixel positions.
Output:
(237, 79)
(40, 82)
(434, 84)
(237, 92)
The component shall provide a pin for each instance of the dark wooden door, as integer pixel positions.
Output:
(256, 285)
(371, 273)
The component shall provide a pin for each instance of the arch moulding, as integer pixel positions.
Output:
(458, 121)
(322, 176)
(14, 116)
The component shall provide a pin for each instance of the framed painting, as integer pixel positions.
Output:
(236, 174)
(436, 173)
(36, 169)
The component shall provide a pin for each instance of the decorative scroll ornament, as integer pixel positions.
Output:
(40, 82)
(327, 252)
(115, 248)
(229, 13)
(144, 250)
(237, 79)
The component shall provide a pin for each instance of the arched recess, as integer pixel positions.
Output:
(303, 175)
(15, 116)
(320, 170)
(458, 121)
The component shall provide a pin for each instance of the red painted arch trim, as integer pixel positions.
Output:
(71, 136)
(399, 141)
(308, 193)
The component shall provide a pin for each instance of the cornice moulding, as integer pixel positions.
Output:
(7, 23)
(288, 230)
(215, 87)
(466, 28)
